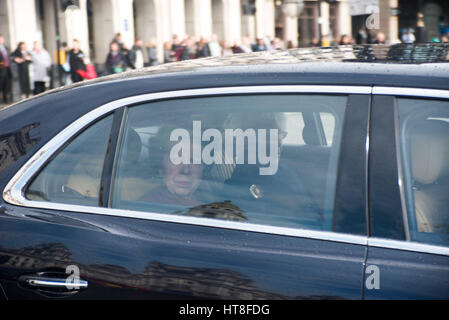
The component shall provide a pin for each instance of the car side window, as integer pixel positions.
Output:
(424, 140)
(73, 176)
(264, 159)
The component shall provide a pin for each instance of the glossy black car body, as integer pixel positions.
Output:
(129, 257)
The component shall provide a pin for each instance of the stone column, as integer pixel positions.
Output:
(146, 26)
(344, 19)
(218, 22)
(103, 28)
(75, 27)
(249, 26)
(202, 11)
(110, 17)
(265, 19)
(21, 22)
(325, 30)
(388, 23)
(163, 25)
(178, 17)
(124, 20)
(290, 17)
(232, 21)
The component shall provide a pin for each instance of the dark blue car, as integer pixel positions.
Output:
(317, 173)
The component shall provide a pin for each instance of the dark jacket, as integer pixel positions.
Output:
(203, 51)
(132, 56)
(76, 63)
(23, 72)
(115, 61)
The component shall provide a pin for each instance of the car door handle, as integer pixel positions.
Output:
(41, 281)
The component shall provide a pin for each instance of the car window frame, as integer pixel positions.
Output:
(391, 94)
(13, 192)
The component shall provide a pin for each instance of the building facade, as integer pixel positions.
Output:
(95, 22)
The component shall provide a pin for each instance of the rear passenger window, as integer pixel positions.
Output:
(424, 137)
(264, 159)
(74, 175)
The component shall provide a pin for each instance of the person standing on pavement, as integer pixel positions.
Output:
(41, 66)
(76, 61)
(135, 55)
(115, 61)
(5, 71)
(22, 59)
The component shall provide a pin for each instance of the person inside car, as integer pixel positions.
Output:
(178, 181)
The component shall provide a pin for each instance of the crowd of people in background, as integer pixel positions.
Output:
(33, 67)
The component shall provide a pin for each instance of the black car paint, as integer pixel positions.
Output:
(161, 253)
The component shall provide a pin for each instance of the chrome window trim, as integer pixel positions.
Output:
(13, 192)
(407, 246)
(412, 92)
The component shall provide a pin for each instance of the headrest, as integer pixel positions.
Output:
(309, 136)
(133, 146)
(429, 150)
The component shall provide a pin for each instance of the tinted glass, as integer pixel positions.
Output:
(74, 175)
(265, 159)
(424, 138)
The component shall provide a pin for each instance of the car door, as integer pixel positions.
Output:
(408, 248)
(230, 193)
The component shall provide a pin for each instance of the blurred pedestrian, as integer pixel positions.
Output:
(22, 59)
(76, 61)
(176, 43)
(380, 38)
(315, 42)
(276, 44)
(185, 51)
(214, 46)
(5, 71)
(41, 63)
(226, 49)
(152, 53)
(135, 55)
(169, 54)
(246, 45)
(325, 41)
(65, 64)
(236, 48)
(115, 60)
(118, 40)
(259, 45)
(362, 36)
(202, 49)
(344, 40)
(408, 36)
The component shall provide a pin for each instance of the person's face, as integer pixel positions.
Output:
(182, 179)
(23, 47)
(76, 45)
(36, 46)
(114, 47)
(2, 40)
(380, 37)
